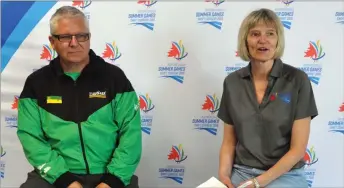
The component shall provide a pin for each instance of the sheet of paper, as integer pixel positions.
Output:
(212, 183)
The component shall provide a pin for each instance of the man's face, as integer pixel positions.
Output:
(71, 39)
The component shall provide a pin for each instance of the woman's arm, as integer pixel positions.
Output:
(227, 152)
(306, 110)
(299, 140)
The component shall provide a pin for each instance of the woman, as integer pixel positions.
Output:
(266, 108)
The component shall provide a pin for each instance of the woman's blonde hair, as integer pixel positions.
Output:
(268, 17)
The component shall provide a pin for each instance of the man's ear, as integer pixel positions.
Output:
(52, 42)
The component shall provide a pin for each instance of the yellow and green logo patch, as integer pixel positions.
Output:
(54, 100)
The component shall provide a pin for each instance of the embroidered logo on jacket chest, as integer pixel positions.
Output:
(97, 94)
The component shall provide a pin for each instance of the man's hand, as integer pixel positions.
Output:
(75, 185)
(225, 180)
(103, 185)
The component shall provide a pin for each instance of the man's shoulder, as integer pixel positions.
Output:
(35, 82)
(40, 74)
(109, 69)
(112, 68)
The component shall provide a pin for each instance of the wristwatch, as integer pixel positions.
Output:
(256, 184)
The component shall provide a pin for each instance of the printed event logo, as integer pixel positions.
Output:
(337, 126)
(146, 106)
(2, 162)
(286, 14)
(339, 17)
(314, 52)
(144, 17)
(286, 2)
(111, 53)
(238, 65)
(175, 172)
(213, 16)
(176, 70)
(209, 122)
(48, 53)
(216, 2)
(310, 159)
(84, 5)
(11, 121)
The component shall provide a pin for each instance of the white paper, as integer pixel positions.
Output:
(212, 183)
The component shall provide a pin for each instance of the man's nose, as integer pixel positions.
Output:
(73, 41)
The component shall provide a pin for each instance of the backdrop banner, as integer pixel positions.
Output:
(177, 55)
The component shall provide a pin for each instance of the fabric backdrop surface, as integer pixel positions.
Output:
(177, 54)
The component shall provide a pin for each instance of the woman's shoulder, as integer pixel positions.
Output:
(293, 73)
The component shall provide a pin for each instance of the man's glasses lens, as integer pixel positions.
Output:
(68, 38)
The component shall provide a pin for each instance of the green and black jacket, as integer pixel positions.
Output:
(86, 125)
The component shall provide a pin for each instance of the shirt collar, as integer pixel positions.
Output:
(55, 63)
(276, 71)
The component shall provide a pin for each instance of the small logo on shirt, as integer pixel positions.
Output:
(43, 169)
(54, 100)
(97, 94)
(285, 97)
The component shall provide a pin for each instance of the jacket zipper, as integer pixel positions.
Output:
(80, 133)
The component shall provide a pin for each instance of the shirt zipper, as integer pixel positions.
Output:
(79, 128)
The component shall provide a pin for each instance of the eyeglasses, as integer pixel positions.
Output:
(67, 38)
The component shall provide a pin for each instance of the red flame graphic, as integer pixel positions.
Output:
(307, 158)
(174, 52)
(341, 108)
(208, 105)
(46, 53)
(143, 1)
(143, 104)
(78, 3)
(173, 154)
(108, 53)
(311, 52)
(15, 103)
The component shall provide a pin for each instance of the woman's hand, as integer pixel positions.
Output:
(226, 180)
(247, 184)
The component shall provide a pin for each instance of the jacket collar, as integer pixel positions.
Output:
(57, 68)
(276, 71)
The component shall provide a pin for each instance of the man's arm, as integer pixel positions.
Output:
(37, 150)
(128, 153)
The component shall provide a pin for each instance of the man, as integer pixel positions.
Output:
(78, 117)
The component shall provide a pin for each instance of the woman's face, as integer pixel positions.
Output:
(261, 42)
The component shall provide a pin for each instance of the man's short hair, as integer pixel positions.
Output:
(66, 12)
